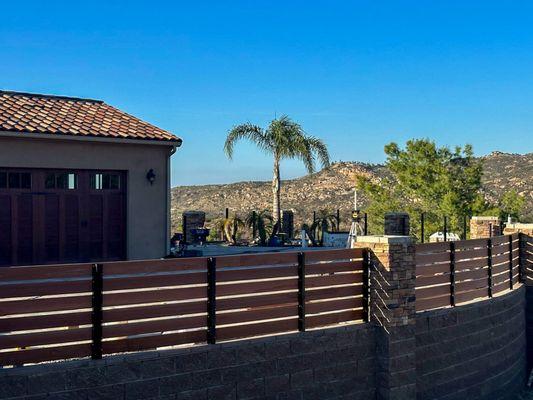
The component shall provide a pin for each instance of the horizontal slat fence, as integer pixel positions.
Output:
(69, 311)
(449, 273)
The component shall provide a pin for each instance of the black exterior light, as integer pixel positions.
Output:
(150, 175)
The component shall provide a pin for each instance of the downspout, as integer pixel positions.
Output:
(173, 150)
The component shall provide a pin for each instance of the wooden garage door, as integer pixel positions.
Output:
(56, 216)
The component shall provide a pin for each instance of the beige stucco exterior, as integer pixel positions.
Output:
(147, 205)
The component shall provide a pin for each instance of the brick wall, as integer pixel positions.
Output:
(475, 351)
(324, 364)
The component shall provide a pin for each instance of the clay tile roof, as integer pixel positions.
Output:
(59, 115)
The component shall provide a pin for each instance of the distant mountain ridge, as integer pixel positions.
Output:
(332, 188)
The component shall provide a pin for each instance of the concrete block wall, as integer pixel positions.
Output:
(474, 351)
(325, 364)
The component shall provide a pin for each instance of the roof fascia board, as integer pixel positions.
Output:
(45, 136)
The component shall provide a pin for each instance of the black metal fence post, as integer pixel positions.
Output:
(97, 314)
(490, 230)
(445, 229)
(489, 263)
(338, 220)
(184, 228)
(366, 224)
(227, 212)
(301, 292)
(520, 264)
(254, 224)
(511, 262)
(211, 300)
(366, 285)
(422, 233)
(452, 274)
(464, 227)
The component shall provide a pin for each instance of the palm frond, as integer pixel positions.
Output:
(249, 132)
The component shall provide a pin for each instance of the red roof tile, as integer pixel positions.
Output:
(46, 114)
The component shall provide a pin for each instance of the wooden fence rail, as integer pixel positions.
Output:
(449, 273)
(88, 310)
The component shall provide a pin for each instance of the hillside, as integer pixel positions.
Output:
(332, 188)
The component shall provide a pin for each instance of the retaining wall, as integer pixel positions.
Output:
(326, 364)
(474, 351)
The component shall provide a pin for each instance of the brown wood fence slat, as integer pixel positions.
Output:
(154, 266)
(139, 282)
(154, 326)
(332, 280)
(45, 272)
(256, 273)
(479, 273)
(45, 321)
(257, 329)
(154, 296)
(470, 244)
(434, 302)
(432, 280)
(35, 305)
(498, 240)
(257, 314)
(437, 247)
(471, 295)
(333, 305)
(45, 354)
(257, 287)
(430, 270)
(251, 260)
(328, 293)
(316, 321)
(154, 311)
(471, 285)
(332, 255)
(45, 338)
(343, 266)
(153, 342)
(257, 301)
(468, 254)
(432, 291)
(431, 258)
(469, 264)
(44, 288)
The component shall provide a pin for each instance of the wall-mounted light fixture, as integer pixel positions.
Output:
(150, 175)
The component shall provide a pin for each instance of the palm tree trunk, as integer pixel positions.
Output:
(276, 189)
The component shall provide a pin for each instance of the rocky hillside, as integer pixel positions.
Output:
(332, 188)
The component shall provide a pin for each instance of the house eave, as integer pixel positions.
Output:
(44, 136)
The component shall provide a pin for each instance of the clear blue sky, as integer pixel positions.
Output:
(357, 74)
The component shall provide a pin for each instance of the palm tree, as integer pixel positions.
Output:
(262, 221)
(284, 139)
(323, 221)
(231, 227)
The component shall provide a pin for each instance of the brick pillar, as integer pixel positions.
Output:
(480, 227)
(392, 310)
(397, 223)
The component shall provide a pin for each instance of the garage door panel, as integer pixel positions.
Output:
(5, 230)
(24, 223)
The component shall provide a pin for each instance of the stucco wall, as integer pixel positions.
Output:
(474, 351)
(147, 234)
(325, 364)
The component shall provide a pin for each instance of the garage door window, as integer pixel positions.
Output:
(15, 180)
(105, 181)
(62, 180)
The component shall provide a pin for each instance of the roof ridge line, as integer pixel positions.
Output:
(52, 96)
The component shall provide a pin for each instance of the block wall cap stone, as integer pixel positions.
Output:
(387, 239)
(485, 218)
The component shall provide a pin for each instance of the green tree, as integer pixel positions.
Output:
(425, 178)
(263, 224)
(512, 203)
(283, 139)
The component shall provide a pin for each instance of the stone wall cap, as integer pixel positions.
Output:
(383, 239)
(485, 218)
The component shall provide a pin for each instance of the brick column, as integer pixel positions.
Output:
(392, 310)
(480, 227)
